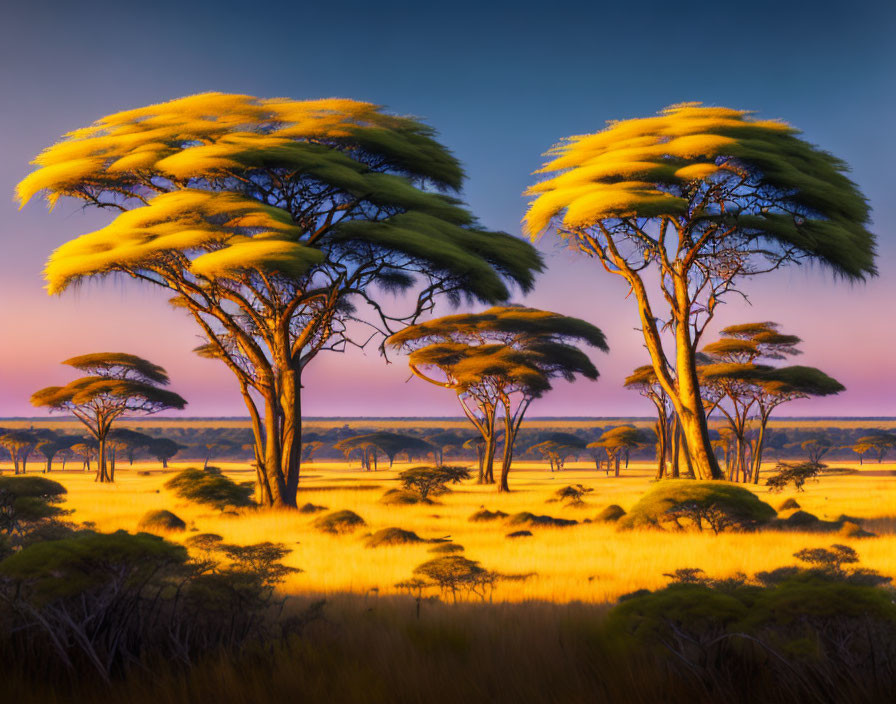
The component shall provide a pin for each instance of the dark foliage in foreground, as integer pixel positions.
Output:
(821, 631)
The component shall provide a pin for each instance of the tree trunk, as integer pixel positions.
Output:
(757, 453)
(691, 414)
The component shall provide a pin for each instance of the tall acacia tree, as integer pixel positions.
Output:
(270, 221)
(731, 379)
(499, 360)
(695, 199)
(779, 385)
(117, 384)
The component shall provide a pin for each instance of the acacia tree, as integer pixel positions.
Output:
(163, 449)
(618, 443)
(645, 382)
(52, 446)
(270, 221)
(879, 444)
(695, 199)
(499, 360)
(19, 444)
(117, 384)
(781, 385)
(730, 375)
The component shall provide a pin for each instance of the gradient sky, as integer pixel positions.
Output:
(501, 82)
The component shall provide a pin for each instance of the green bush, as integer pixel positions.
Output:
(679, 504)
(392, 536)
(161, 520)
(446, 548)
(525, 518)
(484, 514)
(339, 522)
(210, 487)
(26, 503)
(610, 514)
(402, 497)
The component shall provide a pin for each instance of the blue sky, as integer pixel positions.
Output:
(501, 82)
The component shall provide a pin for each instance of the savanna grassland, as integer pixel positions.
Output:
(589, 562)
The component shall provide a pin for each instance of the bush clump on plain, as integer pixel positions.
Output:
(484, 514)
(392, 536)
(339, 522)
(424, 482)
(610, 514)
(311, 508)
(446, 548)
(713, 505)
(161, 520)
(210, 487)
(789, 505)
(525, 518)
(402, 497)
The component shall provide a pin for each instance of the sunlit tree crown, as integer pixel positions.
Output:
(228, 185)
(779, 188)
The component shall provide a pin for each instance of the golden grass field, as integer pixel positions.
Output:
(588, 562)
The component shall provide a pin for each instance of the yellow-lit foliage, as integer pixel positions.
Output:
(620, 171)
(186, 220)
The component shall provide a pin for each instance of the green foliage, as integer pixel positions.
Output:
(26, 503)
(573, 494)
(722, 505)
(610, 514)
(792, 473)
(807, 202)
(392, 536)
(403, 497)
(78, 565)
(431, 481)
(339, 522)
(446, 548)
(210, 487)
(525, 518)
(161, 520)
(311, 508)
(484, 514)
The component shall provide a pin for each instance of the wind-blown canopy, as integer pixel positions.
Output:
(783, 191)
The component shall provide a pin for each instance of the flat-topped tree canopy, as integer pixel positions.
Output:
(119, 384)
(797, 380)
(504, 323)
(501, 358)
(120, 365)
(205, 177)
(271, 221)
(721, 170)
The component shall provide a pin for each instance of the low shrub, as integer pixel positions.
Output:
(311, 508)
(210, 487)
(392, 536)
(446, 548)
(402, 497)
(681, 504)
(484, 514)
(161, 520)
(520, 534)
(339, 522)
(525, 518)
(610, 514)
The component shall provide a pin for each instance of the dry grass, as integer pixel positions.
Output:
(588, 562)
